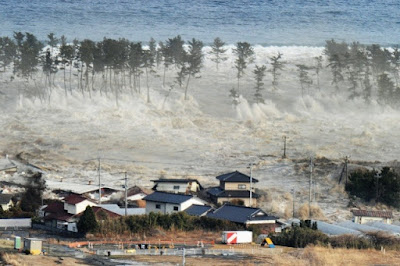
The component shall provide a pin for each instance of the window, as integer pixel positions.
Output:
(176, 208)
(176, 187)
(158, 206)
(241, 186)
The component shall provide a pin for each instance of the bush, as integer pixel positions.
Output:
(300, 237)
(180, 221)
(350, 241)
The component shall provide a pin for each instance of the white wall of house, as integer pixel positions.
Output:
(79, 207)
(72, 227)
(152, 206)
(366, 219)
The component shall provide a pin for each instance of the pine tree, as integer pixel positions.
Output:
(304, 78)
(277, 66)
(244, 53)
(259, 74)
(318, 68)
(218, 52)
(194, 60)
(8, 51)
(87, 222)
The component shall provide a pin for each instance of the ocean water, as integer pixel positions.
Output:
(273, 22)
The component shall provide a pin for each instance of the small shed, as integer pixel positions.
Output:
(33, 246)
(17, 242)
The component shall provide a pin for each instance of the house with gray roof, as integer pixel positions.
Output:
(198, 210)
(245, 215)
(164, 202)
(236, 188)
(366, 216)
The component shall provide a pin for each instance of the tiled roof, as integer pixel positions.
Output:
(198, 210)
(236, 177)
(74, 199)
(97, 211)
(380, 214)
(54, 207)
(60, 216)
(167, 197)
(240, 214)
(5, 198)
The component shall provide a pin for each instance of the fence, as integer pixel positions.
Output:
(55, 230)
(190, 252)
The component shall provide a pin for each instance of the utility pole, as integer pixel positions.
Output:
(377, 176)
(284, 147)
(293, 191)
(126, 195)
(251, 184)
(99, 181)
(310, 188)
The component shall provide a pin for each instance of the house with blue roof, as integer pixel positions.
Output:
(236, 188)
(166, 203)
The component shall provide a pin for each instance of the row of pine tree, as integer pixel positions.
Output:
(114, 67)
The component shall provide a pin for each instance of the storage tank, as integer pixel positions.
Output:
(237, 237)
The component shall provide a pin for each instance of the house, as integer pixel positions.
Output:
(234, 188)
(198, 210)
(365, 216)
(246, 216)
(137, 193)
(121, 211)
(87, 190)
(7, 166)
(5, 201)
(182, 186)
(74, 204)
(164, 202)
(55, 214)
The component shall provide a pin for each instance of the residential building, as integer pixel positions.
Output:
(182, 186)
(75, 204)
(246, 216)
(236, 188)
(198, 210)
(121, 211)
(5, 201)
(164, 202)
(365, 216)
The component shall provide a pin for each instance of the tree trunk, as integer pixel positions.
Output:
(187, 86)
